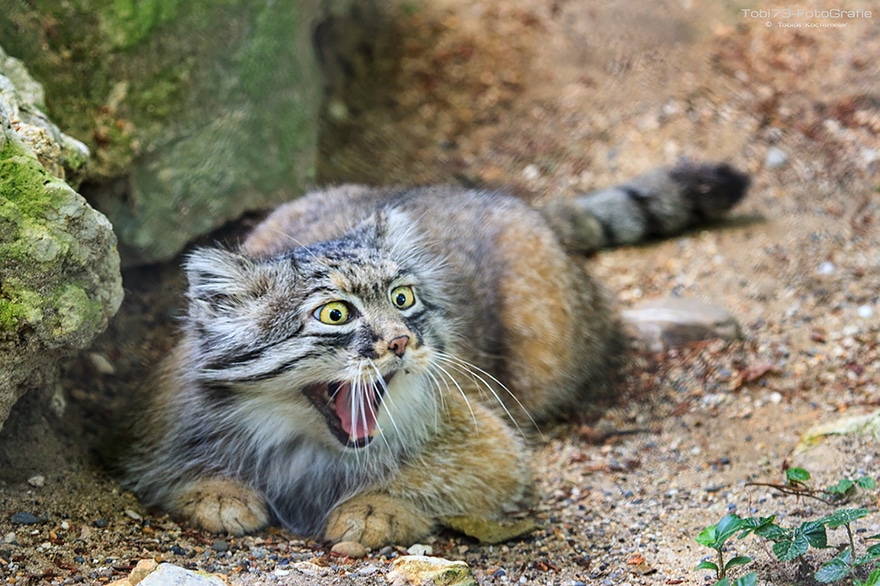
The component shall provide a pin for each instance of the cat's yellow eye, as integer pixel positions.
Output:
(403, 297)
(334, 313)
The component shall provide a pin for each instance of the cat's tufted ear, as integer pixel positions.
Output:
(222, 283)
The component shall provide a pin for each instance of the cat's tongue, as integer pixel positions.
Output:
(357, 414)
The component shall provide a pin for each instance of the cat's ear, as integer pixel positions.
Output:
(223, 283)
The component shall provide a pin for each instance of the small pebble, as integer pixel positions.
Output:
(37, 480)
(775, 158)
(865, 311)
(101, 523)
(368, 570)
(133, 515)
(420, 549)
(22, 518)
(220, 546)
(10, 537)
(101, 363)
(351, 549)
(826, 268)
(531, 172)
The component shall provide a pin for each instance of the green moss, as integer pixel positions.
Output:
(128, 22)
(19, 305)
(22, 177)
(74, 311)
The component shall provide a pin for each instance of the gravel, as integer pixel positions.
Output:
(550, 99)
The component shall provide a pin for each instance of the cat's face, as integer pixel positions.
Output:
(337, 335)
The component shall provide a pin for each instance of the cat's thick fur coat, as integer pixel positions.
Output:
(360, 367)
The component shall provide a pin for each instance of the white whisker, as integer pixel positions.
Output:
(460, 390)
(475, 373)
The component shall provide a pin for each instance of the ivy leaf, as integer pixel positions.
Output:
(871, 555)
(796, 475)
(866, 482)
(749, 579)
(707, 565)
(844, 517)
(789, 549)
(836, 569)
(841, 488)
(815, 533)
(773, 532)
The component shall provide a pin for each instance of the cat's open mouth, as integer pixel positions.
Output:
(351, 411)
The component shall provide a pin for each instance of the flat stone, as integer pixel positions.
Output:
(351, 549)
(417, 570)
(659, 324)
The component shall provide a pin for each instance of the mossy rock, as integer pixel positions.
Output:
(195, 111)
(59, 268)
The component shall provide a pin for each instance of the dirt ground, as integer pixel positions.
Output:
(551, 97)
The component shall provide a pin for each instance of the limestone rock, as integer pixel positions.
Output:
(59, 267)
(195, 112)
(417, 570)
(149, 573)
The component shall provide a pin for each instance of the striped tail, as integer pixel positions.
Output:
(659, 203)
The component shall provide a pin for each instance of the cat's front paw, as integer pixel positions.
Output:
(375, 520)
(220, 505)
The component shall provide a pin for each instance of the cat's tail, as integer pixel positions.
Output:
(661, 202)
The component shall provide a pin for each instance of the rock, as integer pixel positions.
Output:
(419, 549)
(24, 518)
(419, 570)
(196, 112)
(659, 324)
(150, 573)
(351, 549)
(59, 266)
(775, 158)
(868, 424)
(489, 530)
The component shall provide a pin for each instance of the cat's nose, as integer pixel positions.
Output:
(398, 345)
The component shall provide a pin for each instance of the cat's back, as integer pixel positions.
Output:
(440, 215)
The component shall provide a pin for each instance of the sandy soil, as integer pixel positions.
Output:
(554, 97)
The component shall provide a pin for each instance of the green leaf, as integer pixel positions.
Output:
(871, 555)
(749, 579)
(722, 582)
(866, 482)
(844, 517)
(796, 475)
(841, 488)
(707, 565)
(773, 532)
(739, 560)
(836, 569)
(815, 533)
(754, 524)
(789, 549)
(717, 534)
(707, 536)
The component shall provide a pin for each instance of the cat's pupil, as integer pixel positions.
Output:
(335, 315)
(400, 300)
